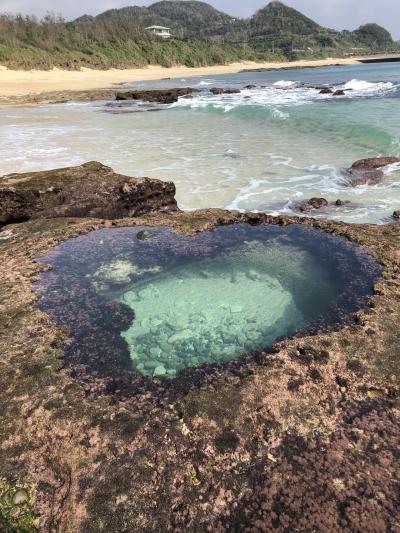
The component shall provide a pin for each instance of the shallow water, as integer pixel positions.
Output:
(221, 307)
(153, 302)
(260, 150)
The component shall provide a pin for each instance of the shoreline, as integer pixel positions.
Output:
(31, 87)
(25, 85)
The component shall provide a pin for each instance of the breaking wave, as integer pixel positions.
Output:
(286, 93)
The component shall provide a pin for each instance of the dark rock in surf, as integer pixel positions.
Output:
(325, 90)
(368, 171)
(163, 96)
(312, 203)
(339, 92)
(373, 163)
(366, 177)
(219, 90)
(396, 215)
(91, 190)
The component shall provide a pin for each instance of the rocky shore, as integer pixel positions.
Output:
(91, 190)
(301, 437)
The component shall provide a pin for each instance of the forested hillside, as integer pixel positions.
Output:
(202, 35)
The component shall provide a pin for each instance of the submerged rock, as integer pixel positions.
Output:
(90, 190)
(182, 336)
(119, 272)
(116, 272)
(160, 371)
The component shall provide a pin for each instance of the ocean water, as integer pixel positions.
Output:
(152, 302)
(261, 150)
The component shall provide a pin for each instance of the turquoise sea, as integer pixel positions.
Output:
(261, 150)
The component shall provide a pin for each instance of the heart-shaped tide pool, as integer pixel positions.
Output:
(153, 302)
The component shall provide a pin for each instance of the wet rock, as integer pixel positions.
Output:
(165, 96)
(396, 215)
(340, 203)
(325, 90)
(371, 177)
(250, 87)
(91, 190)
(373, 163)
(368, 171)
(219, 90)
(339, 92)
(312, 203)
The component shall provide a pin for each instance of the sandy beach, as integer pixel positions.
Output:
(21, 83)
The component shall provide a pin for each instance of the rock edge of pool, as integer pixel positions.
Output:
(300, 437)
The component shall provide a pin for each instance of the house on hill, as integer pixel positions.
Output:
(160, 31)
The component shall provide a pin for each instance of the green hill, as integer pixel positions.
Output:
(202, 35)
(373, 35)
(277, 19)
(192, 19)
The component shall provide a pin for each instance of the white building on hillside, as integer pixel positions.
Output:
(160, 31)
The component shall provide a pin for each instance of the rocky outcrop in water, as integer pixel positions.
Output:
(373, 163)
(90, 190)
(312, 203)
(369, 171)
(325, 90)
(162, 96)
(219, 90)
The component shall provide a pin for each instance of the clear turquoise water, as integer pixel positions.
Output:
(261, 150)
(153, 303)
(212, 310)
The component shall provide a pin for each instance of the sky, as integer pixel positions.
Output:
(338, 14)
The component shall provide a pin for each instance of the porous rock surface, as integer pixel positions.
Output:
(89, 190)
(369, 171)
(304, 437)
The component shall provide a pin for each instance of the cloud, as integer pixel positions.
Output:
(339, 14)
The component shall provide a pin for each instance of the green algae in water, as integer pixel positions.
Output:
(147, 302)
